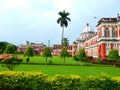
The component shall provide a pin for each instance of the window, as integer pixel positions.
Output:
(113, 32)
(106, 32)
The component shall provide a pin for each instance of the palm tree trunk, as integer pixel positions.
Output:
(62, 36)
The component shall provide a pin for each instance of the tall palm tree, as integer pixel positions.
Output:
(63, 21)
(65, 42)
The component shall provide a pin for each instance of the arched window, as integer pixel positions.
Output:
(113, 32)
(106, 32)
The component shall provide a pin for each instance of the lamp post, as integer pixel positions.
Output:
(48, 43)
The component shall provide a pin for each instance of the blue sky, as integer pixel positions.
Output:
(35, 20)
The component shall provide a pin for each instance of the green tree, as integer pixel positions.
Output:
(2, 47)
(64, 53)
(63, 21)
(10, 49)
(47, 53)
(113, 55)
(82, 56)
(65, 42)
(29, 53)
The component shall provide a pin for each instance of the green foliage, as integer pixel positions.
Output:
(65, 42)
(11, 62)
(66, 82)
(47, 53)
(113, 55)
(2, 47)
(40, 81)
(29, 52)
(98, 59)
(76, 57)
(82, 55)
(63, 21)
(10, 49)
(24, 80)
(64, 53)
(103, 82)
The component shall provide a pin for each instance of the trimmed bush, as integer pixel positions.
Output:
(66, 82)
(113, 55)
(31, 80)
(76, 57)
(40, 81)
(102, 82)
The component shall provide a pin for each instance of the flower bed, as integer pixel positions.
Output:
(10, 61)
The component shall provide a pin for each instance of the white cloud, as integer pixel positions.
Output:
(62, 4)
(13, 3)
(49, 14)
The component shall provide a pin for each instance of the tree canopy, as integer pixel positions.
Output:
(29, 52)
(113, 55)
(10, 49)
(65, 42)
(3, 47)
(82, 56)
(47, 53)
(63, 21)
(64, 53)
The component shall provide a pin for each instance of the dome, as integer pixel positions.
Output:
(87, 28)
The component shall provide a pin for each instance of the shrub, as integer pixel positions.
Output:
(29, 53)
(75, 57)
(40, 81)
(10, 61)
(102, 82)
(113, 55)
(66, 82)
(31, 80)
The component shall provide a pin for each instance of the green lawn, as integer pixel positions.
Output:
(51, 70)
(55, 60)
(83, 71)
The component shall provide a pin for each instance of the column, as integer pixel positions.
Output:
(118, 31)
(103, 51)
(110, 31)
(111, 46)
(102, 31)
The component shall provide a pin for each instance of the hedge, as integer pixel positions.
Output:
(40, 81)
(103, 82)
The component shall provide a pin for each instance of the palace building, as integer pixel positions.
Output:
(101, 42)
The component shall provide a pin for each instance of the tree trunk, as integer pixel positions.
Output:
(81, 63)
(62, 36)
(64, 60)
(46, 60)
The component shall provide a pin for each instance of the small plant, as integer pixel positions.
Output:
(29, 53)
(113, 55)
(47, 53)
(82, 56)
(75, 57)
(64, 53)
(10, 61)
(98, 59)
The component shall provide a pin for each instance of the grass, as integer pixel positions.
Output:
(55, 60)
(83, 71)
(51, 70)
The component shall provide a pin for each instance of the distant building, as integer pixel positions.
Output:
(57, 49)
(37, 48)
